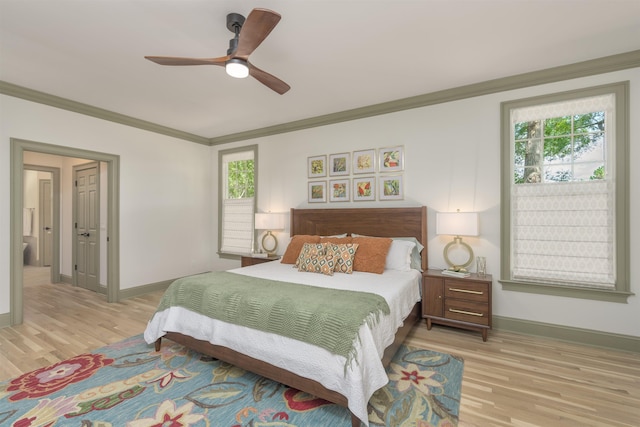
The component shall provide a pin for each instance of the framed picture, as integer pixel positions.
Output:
(364, 188)
(339, 190)
(339, 164)
(391, 159)
(364, 161)
(317, 166)
(317, 191)
(391, 187)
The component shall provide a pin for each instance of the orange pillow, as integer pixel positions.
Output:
(371, 255)
(295, 246)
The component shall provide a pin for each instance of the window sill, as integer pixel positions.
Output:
(230, 255)
(567, 291)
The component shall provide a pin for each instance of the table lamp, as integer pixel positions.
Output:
(270, 222)
(457, 224)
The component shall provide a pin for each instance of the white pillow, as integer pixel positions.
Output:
(399, 255)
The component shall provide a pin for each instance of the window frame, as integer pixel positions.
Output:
(221, 192)
(621, 175)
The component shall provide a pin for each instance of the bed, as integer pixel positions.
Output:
(319, 375)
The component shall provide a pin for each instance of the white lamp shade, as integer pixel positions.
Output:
(269, 221)
(457, 223)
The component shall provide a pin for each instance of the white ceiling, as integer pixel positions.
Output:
(336, 55)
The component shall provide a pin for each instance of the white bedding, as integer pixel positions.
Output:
(401, 290)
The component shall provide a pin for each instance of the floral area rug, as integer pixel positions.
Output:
(130, 384)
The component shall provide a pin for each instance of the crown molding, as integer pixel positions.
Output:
(591, 67)
(89, 110)
(551, 75)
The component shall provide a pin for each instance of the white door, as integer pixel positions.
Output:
(86, 226)
(46, 222)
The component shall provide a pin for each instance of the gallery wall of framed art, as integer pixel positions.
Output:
(362, 175)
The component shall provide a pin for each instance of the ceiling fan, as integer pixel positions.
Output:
(248, 34)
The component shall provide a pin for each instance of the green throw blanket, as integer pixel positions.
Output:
(328, 318)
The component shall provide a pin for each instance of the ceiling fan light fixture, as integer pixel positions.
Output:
(247, 35)
(237, 68)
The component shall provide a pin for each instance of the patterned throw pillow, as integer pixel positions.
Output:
(313, 259)
(343, 255)
(295, 246)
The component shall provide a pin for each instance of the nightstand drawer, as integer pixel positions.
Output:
(473, 291)
(466, 311)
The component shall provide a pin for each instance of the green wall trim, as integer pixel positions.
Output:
(565, 72)
(566, 291)
(88, 110)
(567, 333)
(144, 289)
(591, 67)
(5, 320)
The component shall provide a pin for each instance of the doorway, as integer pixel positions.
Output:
(46, 213)
(111, 162)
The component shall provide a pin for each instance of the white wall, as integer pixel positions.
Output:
(167, 213)
(165, 200)
(452, 154)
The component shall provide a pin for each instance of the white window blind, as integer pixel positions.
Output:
(564, 108)
(564, 232)
(237, 226)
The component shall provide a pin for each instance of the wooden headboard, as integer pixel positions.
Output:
(379, 222)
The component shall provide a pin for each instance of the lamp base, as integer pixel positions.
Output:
(269, 248)
(461, 268)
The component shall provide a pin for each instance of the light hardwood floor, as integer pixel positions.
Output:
(511, 380)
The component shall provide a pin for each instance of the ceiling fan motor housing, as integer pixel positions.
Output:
(234, 24)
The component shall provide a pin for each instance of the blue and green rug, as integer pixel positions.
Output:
(129, 384)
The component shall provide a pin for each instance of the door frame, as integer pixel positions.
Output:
(55, 216)
(18, 147)
(42, 247)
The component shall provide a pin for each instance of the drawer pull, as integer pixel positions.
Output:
(466, 291)
(470, 313)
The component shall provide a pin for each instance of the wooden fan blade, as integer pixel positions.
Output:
(171, 60)
(255, 29)
(271, 81)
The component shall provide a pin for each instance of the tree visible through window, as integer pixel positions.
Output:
(240, 179)
(568, 148)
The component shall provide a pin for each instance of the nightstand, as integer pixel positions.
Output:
(248, 260)
(458, 302)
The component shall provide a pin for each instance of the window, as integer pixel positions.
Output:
(564, 194)
(237, 199)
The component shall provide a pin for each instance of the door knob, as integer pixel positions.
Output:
(47, 228)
